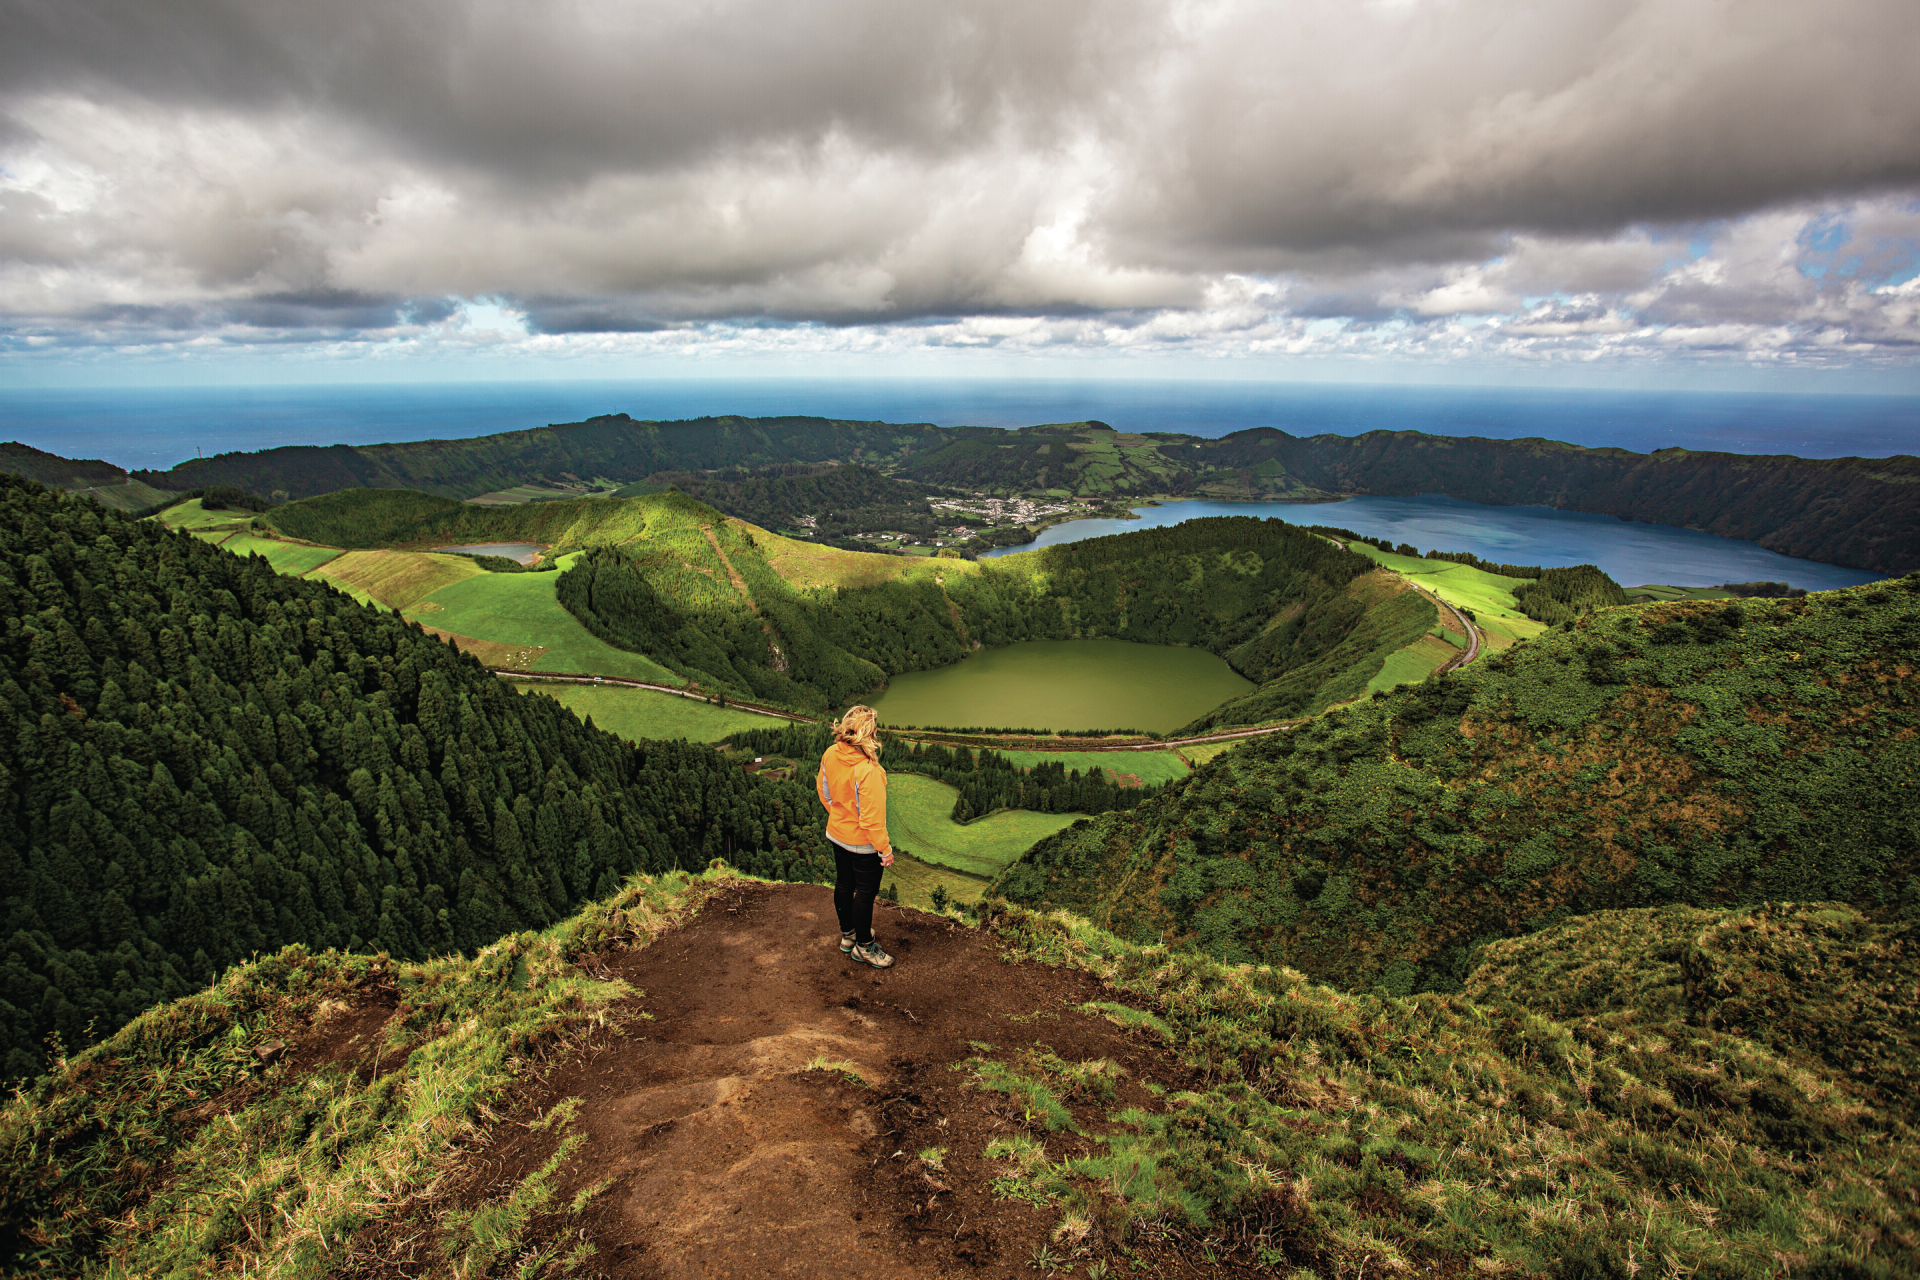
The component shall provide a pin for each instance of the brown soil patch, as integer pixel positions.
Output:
(728, 1157)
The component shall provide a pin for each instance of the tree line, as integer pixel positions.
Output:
(201, 758)
(986, 780)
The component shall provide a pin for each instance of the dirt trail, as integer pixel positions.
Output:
(729, 1158)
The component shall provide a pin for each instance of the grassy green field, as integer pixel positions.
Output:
(1208, 750)
(521, 609)
(1148, 766)
(1413, 663)
(1488, 595)
(913, 881)
(286, 557)
(396, 579)
(917, 821)
(1654, 591)
(636, 713)
(191, 515)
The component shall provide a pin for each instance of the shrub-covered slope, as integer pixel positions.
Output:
(1703, 753)
(202, 759)
(1822, 983)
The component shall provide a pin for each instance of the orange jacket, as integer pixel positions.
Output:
(854, 789)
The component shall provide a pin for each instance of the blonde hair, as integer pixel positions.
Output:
(859, 728)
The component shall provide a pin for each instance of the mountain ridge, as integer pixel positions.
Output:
(1859, 512)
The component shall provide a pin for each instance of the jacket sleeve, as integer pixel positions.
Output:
(872, 782)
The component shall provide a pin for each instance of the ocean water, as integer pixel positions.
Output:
(157, 427)
(1632, 552)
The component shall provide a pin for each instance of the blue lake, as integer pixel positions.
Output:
(1631, 552)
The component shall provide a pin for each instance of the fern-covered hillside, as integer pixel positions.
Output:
(1705, 754)
(202, 759)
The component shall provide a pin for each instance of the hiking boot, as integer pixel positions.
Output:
(872, 954)
(846, 942)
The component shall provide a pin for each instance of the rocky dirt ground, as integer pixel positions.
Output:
(728, 1156)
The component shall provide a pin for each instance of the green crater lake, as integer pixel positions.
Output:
(1065, 684)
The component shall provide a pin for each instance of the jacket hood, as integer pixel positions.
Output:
(848, 754)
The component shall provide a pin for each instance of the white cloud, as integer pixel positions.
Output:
(1499, 180)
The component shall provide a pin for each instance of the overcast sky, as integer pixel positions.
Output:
(1609, 187)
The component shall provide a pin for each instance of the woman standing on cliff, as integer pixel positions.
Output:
(853, 786)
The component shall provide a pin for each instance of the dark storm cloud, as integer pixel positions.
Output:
(622, 167)
(580, 88)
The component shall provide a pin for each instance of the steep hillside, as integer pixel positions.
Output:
(687, 1080)
(838, 501)
(1286, 608)
(1704, 754)
(203, 759)
(109, 485)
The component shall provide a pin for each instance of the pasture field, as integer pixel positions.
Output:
(914, 880)
(803, 564)
(1488, 595)
(286, 557)
(1148, 766)
(191, 515)
(637, 714)
(918, 821)
(521, 609)
(213, 537)
(522, 493)
(1206, 751)
(1654, 591)
(397, 579)
(1412, 664)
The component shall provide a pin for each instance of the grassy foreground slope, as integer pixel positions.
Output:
(1692, 753)
(309, 1113)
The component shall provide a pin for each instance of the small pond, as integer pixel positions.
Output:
(524, 552)
(1634, 552)
(1065, 684)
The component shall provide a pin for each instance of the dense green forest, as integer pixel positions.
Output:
(1286, 608)
(204, 759)
(1560, 595)
(1860, 512)
(1693, 753)
(986, 780)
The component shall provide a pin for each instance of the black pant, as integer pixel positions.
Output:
(856, 883)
